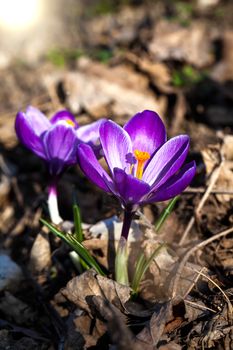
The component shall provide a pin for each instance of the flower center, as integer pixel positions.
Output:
(70, 122)
(141, 157)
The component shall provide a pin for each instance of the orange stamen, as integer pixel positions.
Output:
(141, 157)
(70, 122)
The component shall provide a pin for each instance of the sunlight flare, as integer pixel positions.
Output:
(19, 15)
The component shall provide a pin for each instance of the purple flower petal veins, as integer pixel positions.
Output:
(28, 136)
(36, 119)
(167, 160)
(147, 131)
(89, 134)
(175, 185)
(90, 165)
(53, 140)
(116, 145)
(144, 167)
(60, 143)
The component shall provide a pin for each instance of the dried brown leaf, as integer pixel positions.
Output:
(151, 334)
(157, 284)
(4, 190)
(158, 72)
(116, 323)
(101, 96)
(170, 346)
(104, 301)
(40, 255)
(227, 147)
(218, 327)
(225, 182)
(223, 70)
(80, 290)
(173, 41)
(212, 158)
(114, 29)
(91, 332)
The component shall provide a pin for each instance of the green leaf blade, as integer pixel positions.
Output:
(165, 213)
(77, 223)
(76, 246)
(141, 267)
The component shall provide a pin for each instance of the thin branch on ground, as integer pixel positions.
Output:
(203, 307)
(217, 286)
(191, 252)
(203, 190)
(213, 179)
(193, 284)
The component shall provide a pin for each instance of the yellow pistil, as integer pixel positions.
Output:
(141, 157)
(70, 122)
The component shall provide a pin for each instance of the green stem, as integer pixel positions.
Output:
(121, 261)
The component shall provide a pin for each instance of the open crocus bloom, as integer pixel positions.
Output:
(54, 140)
(144, 166)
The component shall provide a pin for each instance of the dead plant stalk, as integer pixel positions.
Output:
(213, 179)
(191, 252)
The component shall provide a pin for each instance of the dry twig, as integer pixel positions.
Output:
(213, 179)
(191, 252)
(203, 307)
(217, 286)
(203, 190)
(193, 284)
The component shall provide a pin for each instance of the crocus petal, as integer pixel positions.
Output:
(90, 132)
(90, 135)
(174, 185)
(166, 161)
(131, 190)
(91, 167)
(64, 115)
(116, 145)
(37, 120)
(60, 145)
(147, 131)
(27, 134)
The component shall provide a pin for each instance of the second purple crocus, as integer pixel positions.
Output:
(144, 166)
(55, 141)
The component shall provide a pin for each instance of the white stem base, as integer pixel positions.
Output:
(53, 206)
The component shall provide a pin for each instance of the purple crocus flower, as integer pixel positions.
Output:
(55, 141)
(144, 166)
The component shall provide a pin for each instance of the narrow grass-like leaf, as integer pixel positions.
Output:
(77, 223)
(165, 213)
(76, 246)
(79, 263)
(141, 267)
(138, 272)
